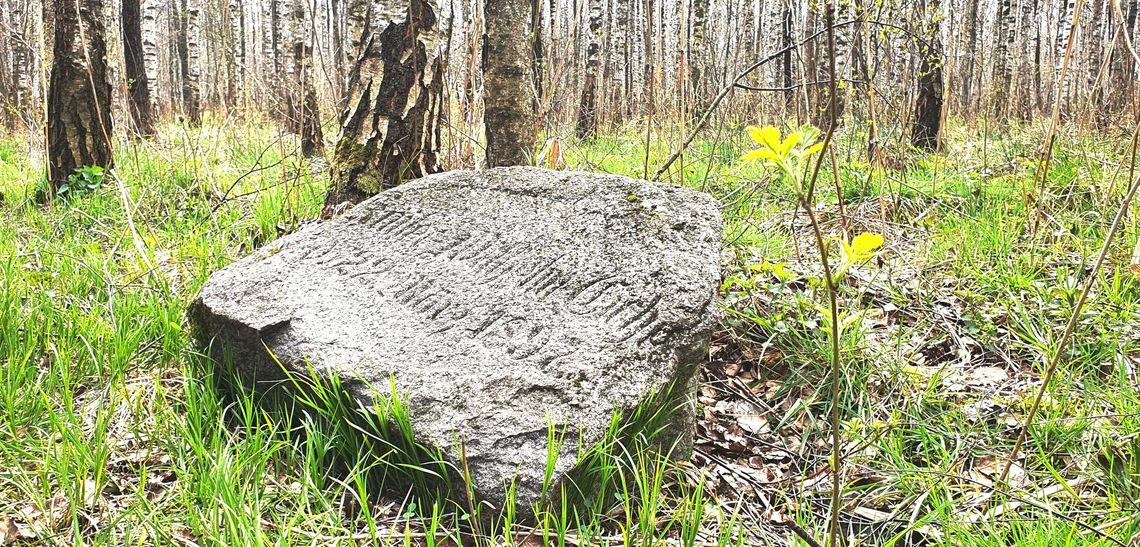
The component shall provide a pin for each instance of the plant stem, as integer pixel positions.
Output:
(833, 297)
(1072, 325)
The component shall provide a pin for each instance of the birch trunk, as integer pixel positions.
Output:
(189, 53)
(138, 96)
(506, 74)
(390, 130)
(303, 111)
(698, 57)
(588, 104)
(79, 97)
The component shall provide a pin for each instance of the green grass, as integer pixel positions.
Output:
(114, 430)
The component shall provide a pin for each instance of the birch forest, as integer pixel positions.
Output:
(599, 63)
(654, 273)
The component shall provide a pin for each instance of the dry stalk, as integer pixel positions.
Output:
(833, 297)
(1055, 119)
(1070, 328)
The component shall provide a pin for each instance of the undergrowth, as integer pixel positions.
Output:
(115, 430)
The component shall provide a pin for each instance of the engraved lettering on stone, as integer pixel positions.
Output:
(528, 294)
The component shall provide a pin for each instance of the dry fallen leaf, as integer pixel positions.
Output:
(9, 532)
(753, 424)
(987, 376)
(90, 493)
(987, 469)
(1136, 258)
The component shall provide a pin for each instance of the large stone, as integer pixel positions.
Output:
(500, 302)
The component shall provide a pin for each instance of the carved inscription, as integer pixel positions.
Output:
(500, 302)
(425, 266)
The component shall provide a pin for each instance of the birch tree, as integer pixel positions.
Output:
(698, 56)
(79, 97)
(588, 105)
(390, 129)
(304, 115)
(189, 53)
(138, 85)
(509, 114)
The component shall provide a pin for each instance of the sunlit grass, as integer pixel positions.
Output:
(114, 430)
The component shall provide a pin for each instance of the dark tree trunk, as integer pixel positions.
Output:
(588, 105)
(824, 105)
(390, 130)
(138, 97)
(972, 23)
(79, 96)
(623, 70)
(786, 58)
(1003, 69)
(699, 57)
(188, 61)
(303, 110)
(509, 113)
(925, 132)
(312, 136)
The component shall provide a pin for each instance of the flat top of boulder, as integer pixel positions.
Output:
(500, 302)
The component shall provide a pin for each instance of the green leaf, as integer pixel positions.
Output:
(812, 150)
(790, 143)
(780, 270)
(864, 245)
(767, 136)
(760, 154)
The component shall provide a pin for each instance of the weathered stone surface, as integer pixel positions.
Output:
(500, 302)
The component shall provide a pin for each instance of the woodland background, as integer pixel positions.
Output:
(609, 62)
(966, 218)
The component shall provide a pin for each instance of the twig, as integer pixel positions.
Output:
(127, 206)
(1055, 119)
(919, 41)
(1076, 314)
(1007, 493)
(794, 86)
(832, 293)
(758, 487)
(728, 88)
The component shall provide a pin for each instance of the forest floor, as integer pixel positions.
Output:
(112, 430)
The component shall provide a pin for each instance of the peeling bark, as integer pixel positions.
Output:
(390, 130)
(79, 98)
(509, 112)
(138, 85)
